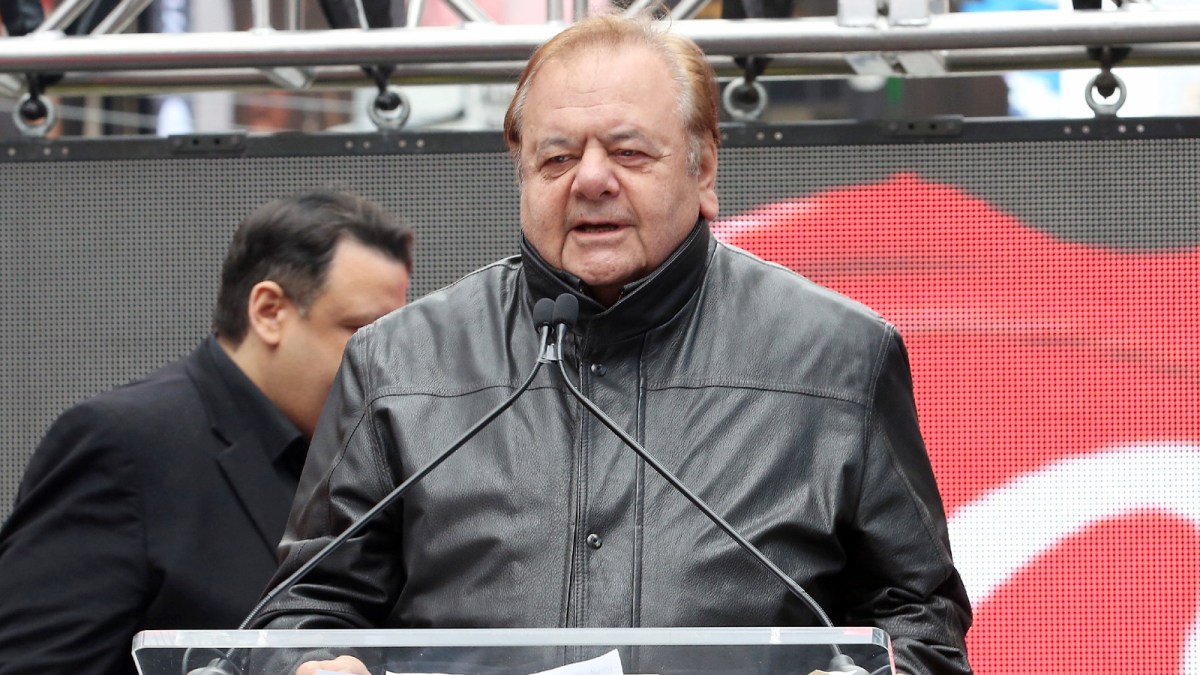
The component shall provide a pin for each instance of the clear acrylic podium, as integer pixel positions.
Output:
(516, 651)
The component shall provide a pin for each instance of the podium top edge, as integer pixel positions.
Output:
(507, 637)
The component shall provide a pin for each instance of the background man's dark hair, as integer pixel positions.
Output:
(291, 241)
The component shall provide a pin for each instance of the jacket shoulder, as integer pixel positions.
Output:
(117, 432)
(805, 336)
(451, 339)
(777, 293)
(162, 400)
(129, 418)
(459, 304)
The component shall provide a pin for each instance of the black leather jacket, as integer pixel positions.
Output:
(785, 406)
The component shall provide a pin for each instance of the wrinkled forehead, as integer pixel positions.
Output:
(614, 100)
(632, 73)
(628, 55)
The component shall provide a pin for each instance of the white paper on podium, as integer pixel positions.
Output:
(606, 664)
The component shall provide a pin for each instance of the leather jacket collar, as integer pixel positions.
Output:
(644, 304)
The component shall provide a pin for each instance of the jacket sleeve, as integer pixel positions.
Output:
(902, 576)
(73, 570)
(345, 475)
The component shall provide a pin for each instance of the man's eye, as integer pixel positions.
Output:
(557, 164)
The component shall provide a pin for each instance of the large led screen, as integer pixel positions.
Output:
(1057, 378)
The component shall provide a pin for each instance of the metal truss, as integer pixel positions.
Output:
(900, 38)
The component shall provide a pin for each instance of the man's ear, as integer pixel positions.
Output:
(708, 181)
(269, 308)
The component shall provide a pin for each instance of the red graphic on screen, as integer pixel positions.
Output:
(1058, 385)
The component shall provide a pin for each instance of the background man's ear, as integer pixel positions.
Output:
(269, 308)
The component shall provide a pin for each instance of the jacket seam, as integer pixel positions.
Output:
(510, 263)
(380, 471)
(871, 424)
(869, 415)
(382, 474)
(377, 451)
(757, 386)
(389, 392)
(753, 258)
(579, 572)
(337, 463)
(329, 610)
(639, 491)
(922, 513)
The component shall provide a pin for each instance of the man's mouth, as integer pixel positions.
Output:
(597, 228)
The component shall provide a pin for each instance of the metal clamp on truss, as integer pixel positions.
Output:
(744, 97)
(1106, 84)
(899, 14)
(390, 108)
(35, 115)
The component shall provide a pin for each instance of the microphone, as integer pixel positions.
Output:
(543, 314)
(543, 320)
(566, 313)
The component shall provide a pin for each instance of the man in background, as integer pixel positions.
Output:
(159, 504)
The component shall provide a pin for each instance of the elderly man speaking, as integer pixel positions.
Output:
(785, 406)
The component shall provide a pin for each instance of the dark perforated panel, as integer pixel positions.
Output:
(110, 267)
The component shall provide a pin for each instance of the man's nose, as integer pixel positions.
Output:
(594, 177)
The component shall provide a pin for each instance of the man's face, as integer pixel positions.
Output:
(606, 192)
(361, 285)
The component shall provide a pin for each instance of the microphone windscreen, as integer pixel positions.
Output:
(566, 310)
(543, 312)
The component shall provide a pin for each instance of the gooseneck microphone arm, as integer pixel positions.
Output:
(566, 310)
